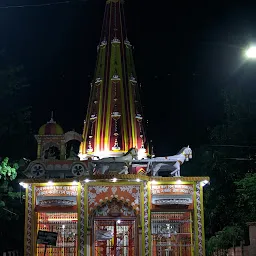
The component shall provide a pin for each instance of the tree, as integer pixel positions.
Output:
(224, 239)
(7, 174)
(247, 196)
(15, 134)
(227, 159)
(15, 130)
(9, 208)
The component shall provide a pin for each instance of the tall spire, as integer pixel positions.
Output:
(114, 121)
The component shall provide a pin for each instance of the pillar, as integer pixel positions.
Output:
(29, 222)
(199, 220)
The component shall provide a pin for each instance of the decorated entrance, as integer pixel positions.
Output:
(115, 237)
(114, 229)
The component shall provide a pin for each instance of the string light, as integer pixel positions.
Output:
(50, 183)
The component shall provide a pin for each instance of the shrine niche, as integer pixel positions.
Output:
(114, 208)
(52, 152)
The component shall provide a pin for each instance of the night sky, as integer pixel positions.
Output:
(185, 54)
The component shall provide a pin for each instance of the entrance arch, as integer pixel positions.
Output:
(114, 229)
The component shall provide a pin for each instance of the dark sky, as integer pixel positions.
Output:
(184, 55)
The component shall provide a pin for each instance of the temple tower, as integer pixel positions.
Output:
(111, 206)
(114, 121)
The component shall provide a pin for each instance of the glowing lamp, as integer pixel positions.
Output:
(24, 185)
(115, 179)
(251, 52)
(138, 180)
(142, 153)
(87, 180)
(178, 181)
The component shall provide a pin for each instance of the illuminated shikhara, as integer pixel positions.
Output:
(114, 121)
(113, 197)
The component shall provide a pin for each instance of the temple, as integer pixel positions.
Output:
(103, 192)
(114, 121)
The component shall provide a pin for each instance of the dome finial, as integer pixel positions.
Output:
(52, 117)
(51, 120)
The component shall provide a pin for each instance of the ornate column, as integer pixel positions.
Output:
(200, 250)
(146, 220)
(29, 221)
(82, 221)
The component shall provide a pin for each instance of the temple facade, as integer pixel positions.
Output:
(103, 193)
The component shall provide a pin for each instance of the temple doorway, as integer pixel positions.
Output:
(115, 231)
(115, 237)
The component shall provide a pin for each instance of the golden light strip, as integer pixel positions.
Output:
(63, 219)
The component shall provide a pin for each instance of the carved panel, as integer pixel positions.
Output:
(29, 221)
(199, 220)
(114, 208)
(82, 213)
(146, 219)
(100, 194)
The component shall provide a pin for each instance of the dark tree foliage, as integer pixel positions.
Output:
(15, 126)
(230, 160)
(14, 137)
(247, 196)
(11, 207)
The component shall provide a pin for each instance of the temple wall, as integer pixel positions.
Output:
(154, 217)
(249, 250)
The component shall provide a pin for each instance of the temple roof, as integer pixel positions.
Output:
(50, 128)
(125, 177)
(114, 121)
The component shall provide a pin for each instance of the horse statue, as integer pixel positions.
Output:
(183, 155)
(118, 165)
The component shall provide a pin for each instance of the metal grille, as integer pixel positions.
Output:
(171, 233)
(66, 225)
(114, 238)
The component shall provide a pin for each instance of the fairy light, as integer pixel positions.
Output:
(50, 183)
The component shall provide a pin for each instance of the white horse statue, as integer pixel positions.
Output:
(183, 155)
(117, 164)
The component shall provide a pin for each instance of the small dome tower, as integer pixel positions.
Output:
(51, 141)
